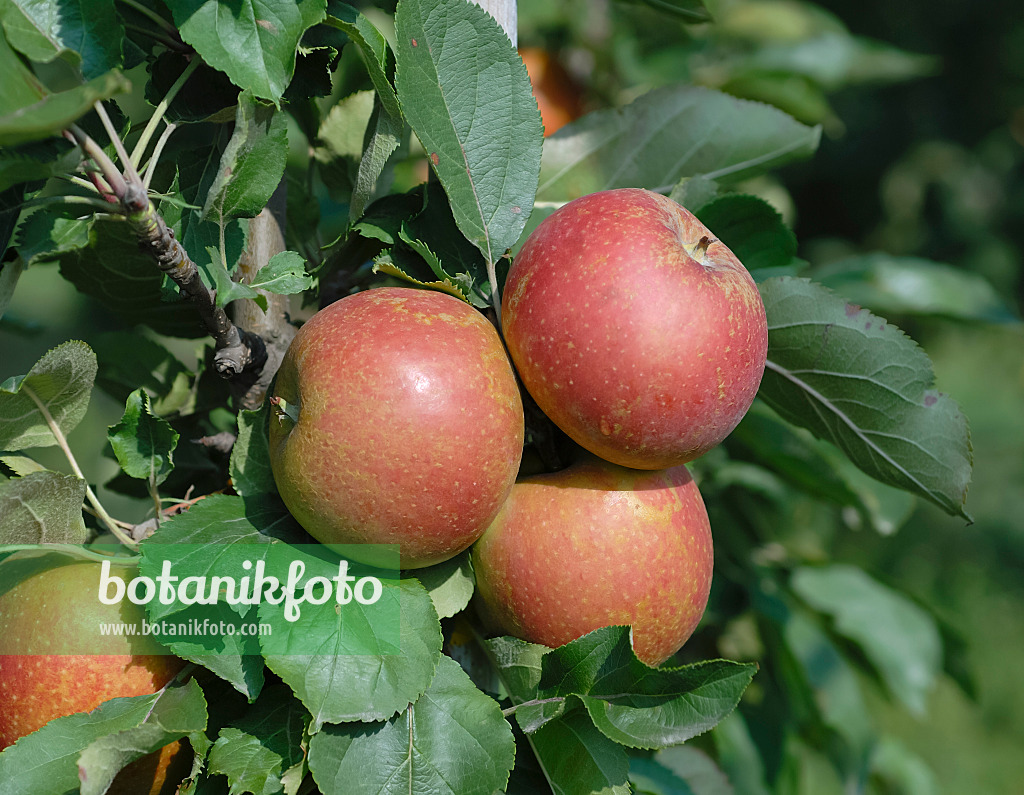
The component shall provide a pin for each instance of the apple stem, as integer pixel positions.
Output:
(101, 512)
(702, 247)
(492, 277)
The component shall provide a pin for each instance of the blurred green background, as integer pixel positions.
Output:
(922, 155)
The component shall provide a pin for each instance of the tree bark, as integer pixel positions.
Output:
(266, 238)
(505, 12)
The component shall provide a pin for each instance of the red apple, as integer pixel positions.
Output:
(636, 331)
(55, 613)
(597, 545)
(402, 424)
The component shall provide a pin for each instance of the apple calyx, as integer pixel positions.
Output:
(282, 409)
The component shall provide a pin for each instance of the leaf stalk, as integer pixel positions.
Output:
(62, 441)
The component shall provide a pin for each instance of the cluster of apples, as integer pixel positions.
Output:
(638, 333)
(399, 421)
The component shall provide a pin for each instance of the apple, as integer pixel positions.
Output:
(635, 330)
(399, 422)
(54, 613)
(598, 545)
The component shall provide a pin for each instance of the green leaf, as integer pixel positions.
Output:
(143, 443)
(636, 705)
(220, 530)
(204, 239)
(252, 41)
(860, 383)
(384, 218)
(178, 711)
(578, 759)
(668, 134)
(113, 270)
(694, 192)
(234, 658)
(262, 745)
(818, 468)
(36, 162)
(902, 770)
(518, 664)
(679, 771)
(47, 760)
(214, 529)
(250, 456)
(912, 286)
(58, 388)
(384, 136)
(385, 126)
(794, 453)
(10, 210)
(739, 756)
(89, 31)
(21, 88)
(373, 48)
(53, 113)
(832, 680)
(285, 274)
(252, 164)
(628, 701)
(42, 508)
(450, 584)
(395, 675)
(385, 264)
(10, 272)
(452, 741)
(752, 229)
(692, 11)
(227, 288)
(130, 361)
(43, 235)
(21, 465)
(834, 59)
(799, 96)
(340, 143)
(464, 283)
(427, 248)
(467, 96)
(899, 638)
